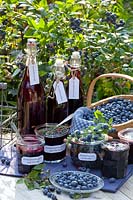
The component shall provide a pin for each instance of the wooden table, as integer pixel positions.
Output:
(9, 190)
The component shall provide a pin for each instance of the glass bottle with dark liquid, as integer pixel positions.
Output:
(31, 95)
(57, 104)
(75, 89)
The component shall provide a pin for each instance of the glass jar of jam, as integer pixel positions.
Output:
(30, 150)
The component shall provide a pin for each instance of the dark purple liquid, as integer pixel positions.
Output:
(31, 106)
(55, 147)
(55, 112)
(31, 148)
(115, 161)
(89, 149)
(52, 142)
(130, 157)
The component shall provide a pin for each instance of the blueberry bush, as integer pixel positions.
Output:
(99, 29)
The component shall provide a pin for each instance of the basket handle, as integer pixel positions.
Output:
(113, 75)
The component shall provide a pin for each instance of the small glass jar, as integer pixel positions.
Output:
(127, 136)
(86, 155)
(55, 147)
(115, 159)
(30, 150)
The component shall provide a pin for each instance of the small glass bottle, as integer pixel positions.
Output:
(57, 103)
(31, 101)
(75, 88)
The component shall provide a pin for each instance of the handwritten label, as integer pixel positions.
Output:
(60, 92)
(74, 88)
(33, 73)
(55, 148)
(87, 156)
(32, 160)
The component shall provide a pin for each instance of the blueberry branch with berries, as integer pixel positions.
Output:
(99, 131)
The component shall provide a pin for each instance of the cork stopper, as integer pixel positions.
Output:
(75, 60)
(59, 68)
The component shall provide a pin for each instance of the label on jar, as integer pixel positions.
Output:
(32, 160)
(33, 73)
(74, 88)
(60, 92)
(55, 148)
(87, 156)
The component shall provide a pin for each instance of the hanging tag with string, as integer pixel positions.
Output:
(59, 92)
(33, 72)
(73, 87)
(31, 62)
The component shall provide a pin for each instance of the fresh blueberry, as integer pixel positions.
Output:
(3, 160)
(58, 191)
(112, 180)
(64, 164)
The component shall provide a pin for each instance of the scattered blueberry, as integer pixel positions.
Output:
(58, 191)
(3, 160)
(64, 164)
(7, 162)
(112, 180)
(45, 191)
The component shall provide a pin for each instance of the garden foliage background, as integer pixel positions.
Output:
(102, 30)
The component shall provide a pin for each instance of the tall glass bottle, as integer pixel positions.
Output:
(31, 96)
(75, 88)
(57, 103)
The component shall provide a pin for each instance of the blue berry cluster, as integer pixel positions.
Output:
(76, 180)
(5, 161)
(111, 18)
(49, 191)
(75, 25)
(119, 109)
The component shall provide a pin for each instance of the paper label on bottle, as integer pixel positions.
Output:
(55, 148)
(87, 156)
(74, 88)
(32, 160)
(60, 92)
(33, 73)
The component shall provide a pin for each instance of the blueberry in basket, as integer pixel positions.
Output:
(76, 181)
(119, 109)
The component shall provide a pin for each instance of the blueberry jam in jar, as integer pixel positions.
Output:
(127, 136)
(55, 147)
(115, 159)
(30, 150)
(87, 155)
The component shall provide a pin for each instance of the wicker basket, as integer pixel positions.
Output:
(128, 124)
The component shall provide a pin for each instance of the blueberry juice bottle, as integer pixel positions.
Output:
(57, 103)
(75, 89)
(31, 101)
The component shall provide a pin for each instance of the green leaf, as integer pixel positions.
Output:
(98, 114)
(20, 181)
(16, 72)
(39, 167)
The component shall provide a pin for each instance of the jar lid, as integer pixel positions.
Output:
(115, 145)
(126, 135)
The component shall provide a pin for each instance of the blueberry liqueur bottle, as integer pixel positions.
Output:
(75, 89)
(57, 103)
(31, 96)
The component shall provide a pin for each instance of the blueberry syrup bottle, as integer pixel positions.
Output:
(57, 103)
(31, 101)
(75, 89)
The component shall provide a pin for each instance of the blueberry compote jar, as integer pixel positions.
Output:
(30, 150)
(55, 147)
(115, 159)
